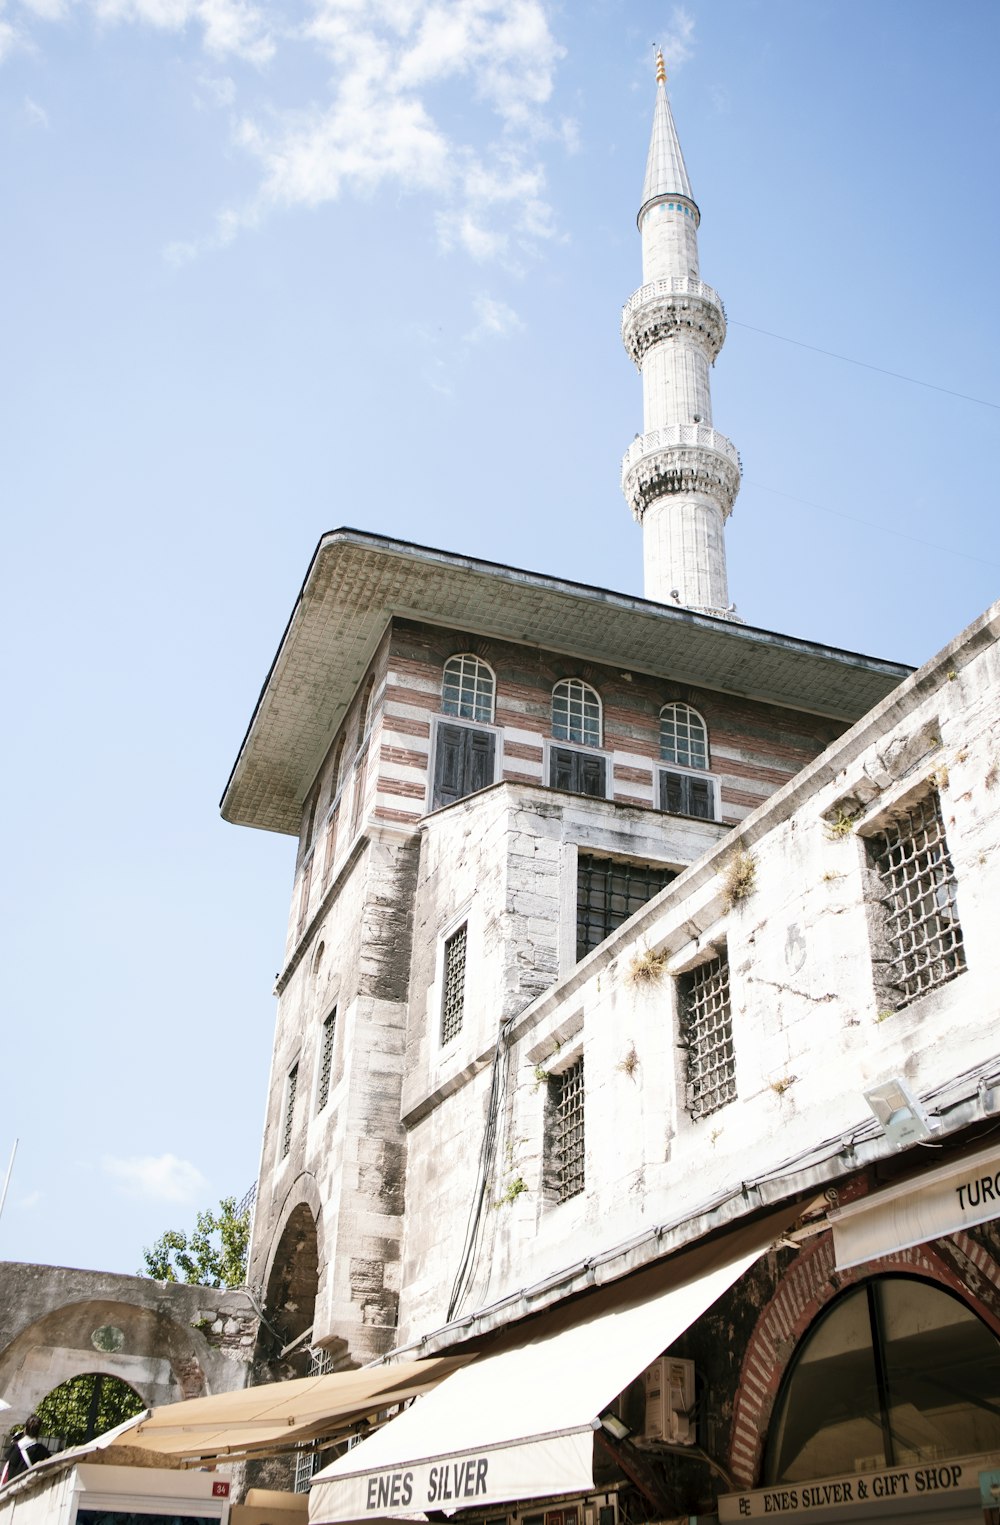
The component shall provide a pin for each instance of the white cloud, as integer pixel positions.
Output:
(494, 319)
(448, 99)
(677, 43)
(163, 1177)
(35, 114)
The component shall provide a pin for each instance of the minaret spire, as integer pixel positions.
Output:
(680, 477)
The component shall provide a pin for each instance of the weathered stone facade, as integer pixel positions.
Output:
(165, 1339)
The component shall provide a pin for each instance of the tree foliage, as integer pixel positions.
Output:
(85, 1406)
(214, 1254)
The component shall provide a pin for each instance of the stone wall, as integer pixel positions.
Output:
(166, 1340)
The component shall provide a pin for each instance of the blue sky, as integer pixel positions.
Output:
(273, 269)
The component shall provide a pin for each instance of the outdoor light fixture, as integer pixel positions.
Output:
(615, 1426)
(900, 1113)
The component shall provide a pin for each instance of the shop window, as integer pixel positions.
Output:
(468, 689)
(915, 931)
(706, 1030)
(291, 1086)
(566, 1134)
(453, 979)
(896, 1371)
(608, 892)
(326, 1060)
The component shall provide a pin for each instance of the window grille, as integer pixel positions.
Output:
(306, 1465)
(291, 1087)
(567, 1099)
(453, 1004)
(707, 1034)
(683, 736)
(608, 892)
(468, 688)
(576, 713)
(326, 1061)
(917, 938)
(367, 711)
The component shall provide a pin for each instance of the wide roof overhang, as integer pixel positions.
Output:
(357, 582)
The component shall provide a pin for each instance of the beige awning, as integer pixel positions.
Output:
(519, 1424)
(281, 1415)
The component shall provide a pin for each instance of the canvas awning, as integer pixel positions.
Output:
(275, 1417)
(520, 1424)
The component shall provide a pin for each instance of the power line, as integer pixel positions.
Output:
(849, 360)
(884, 529)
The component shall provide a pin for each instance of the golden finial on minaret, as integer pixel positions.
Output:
(661, 68)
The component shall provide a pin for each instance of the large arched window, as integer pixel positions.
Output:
(576, 713)
(468, 688)
(683, 737)
(895, 1371)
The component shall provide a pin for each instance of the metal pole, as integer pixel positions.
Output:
(6, 1183)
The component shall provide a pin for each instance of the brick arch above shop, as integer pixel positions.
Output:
(809, 1284)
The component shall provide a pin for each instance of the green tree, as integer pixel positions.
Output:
(86, 1406)
(213, 1255)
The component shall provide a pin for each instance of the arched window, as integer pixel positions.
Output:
(895, 1371)
(468, 688)
(683, 736)
(576, 713)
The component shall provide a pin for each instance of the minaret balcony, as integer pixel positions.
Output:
(685, 458)
(668, 309)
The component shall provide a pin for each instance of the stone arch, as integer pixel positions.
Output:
(292, 1285)
(80, 1408)
(810, 1282)
(144, 1347)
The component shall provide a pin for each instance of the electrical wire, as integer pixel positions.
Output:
(487, 1154)
(946, 550)
(865, 366)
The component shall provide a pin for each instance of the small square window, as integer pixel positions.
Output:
(567, 1097)
(326, 1061)
(707, 1035)
(916, 935)
(608, 892)
(291, 1086)
(453, 1001)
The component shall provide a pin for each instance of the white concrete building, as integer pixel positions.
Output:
(608, 914)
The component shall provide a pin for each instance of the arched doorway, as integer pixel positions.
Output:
(86, 1406)
(895, 1371)
(290, 1301)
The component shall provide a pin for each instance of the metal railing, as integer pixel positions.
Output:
(677, 286)
(680, 434)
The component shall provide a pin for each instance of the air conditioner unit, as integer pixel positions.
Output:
(669, 1386)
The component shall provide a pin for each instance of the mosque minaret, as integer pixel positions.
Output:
(680, 476)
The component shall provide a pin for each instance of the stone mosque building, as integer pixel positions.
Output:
(637, 1025)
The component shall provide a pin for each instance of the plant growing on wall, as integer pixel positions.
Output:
(738, 878)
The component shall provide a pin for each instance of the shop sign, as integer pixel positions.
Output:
(940, 1202)
(863, 1490)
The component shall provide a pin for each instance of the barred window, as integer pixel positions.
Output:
(608, 892)
(566, 1094)
(707, 1035)
(576, 713)
(683, 736)
(468, 688)
(291, 1086)
(326, 1060)
(367, 710)
(916, 935)
(453, 1002)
